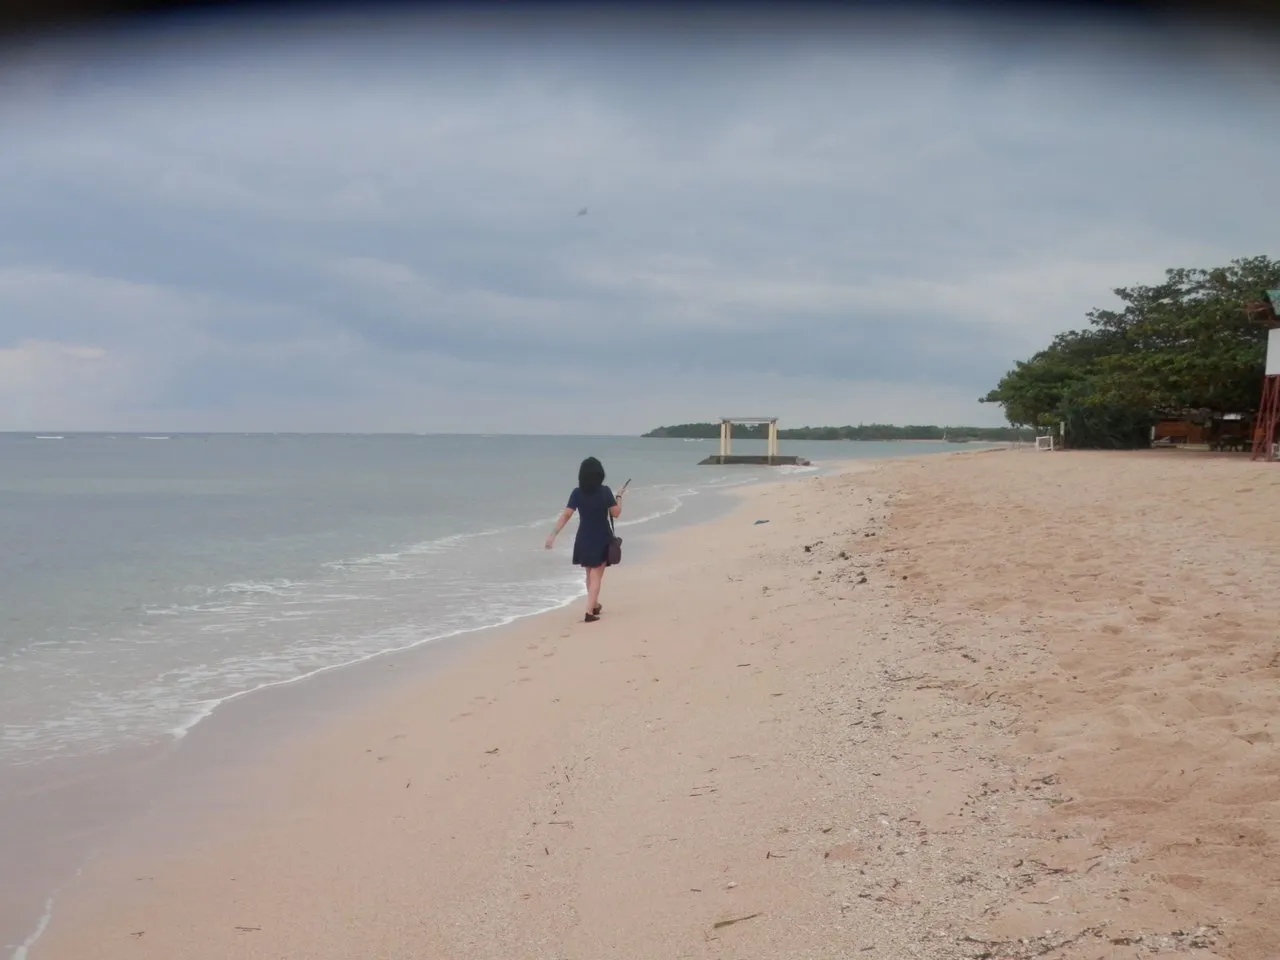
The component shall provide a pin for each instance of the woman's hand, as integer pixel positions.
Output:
(551, 541)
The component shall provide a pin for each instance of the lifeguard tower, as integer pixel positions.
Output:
(1268, 418)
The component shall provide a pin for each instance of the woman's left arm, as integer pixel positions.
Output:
(565, 516)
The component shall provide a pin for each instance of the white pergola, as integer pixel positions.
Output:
(726, 433)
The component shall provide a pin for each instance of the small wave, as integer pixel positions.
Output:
(650, 517)
(157, 438)
(22, 950)
(276, 588)
(429, 547)
(677, 492)
(206, 708)
(796, 468)
(49, 437)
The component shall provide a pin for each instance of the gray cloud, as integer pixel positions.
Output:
(373, 226)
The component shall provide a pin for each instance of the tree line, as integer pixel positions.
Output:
(871, 431)
(1187, 347)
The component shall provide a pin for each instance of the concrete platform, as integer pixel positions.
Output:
(761, 460)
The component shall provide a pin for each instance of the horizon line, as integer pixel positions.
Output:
(436, 433)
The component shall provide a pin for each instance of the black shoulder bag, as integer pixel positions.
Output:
(614, 556)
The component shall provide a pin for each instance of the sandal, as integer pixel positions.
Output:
(597, 610)
(591, 618)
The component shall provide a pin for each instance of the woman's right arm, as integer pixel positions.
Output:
(615, 510)
(565, 515)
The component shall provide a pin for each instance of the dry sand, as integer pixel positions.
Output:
(1008, 704)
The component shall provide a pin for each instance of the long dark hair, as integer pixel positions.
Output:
(590, 475)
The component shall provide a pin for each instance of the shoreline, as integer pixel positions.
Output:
(214, 748)
(196, 751)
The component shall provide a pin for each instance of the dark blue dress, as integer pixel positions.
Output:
(591, 545)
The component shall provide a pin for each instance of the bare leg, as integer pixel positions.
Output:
(595, 577)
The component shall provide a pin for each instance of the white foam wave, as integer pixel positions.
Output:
(22, 950)
(276, 588)
(454, 541)
(205, 709)
(795, 468)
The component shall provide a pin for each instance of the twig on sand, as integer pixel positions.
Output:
(728, 923)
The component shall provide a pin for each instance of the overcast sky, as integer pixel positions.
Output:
(373, 225)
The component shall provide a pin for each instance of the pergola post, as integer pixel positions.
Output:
(772, 456)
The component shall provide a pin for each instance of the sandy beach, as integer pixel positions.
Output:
(982, 705)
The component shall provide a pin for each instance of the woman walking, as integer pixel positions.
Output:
(595, 505)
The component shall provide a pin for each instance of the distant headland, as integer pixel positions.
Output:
(866, 431)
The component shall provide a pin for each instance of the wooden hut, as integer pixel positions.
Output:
(1179, 432)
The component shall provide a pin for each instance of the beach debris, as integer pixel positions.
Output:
(1028, 948)
(758, 522)
(719, 924)
(249, 929)
(137, 933)
(407, 782)
(492, 752)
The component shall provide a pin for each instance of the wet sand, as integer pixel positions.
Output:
(1007, 704)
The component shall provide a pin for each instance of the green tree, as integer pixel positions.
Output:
(1186, 343)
